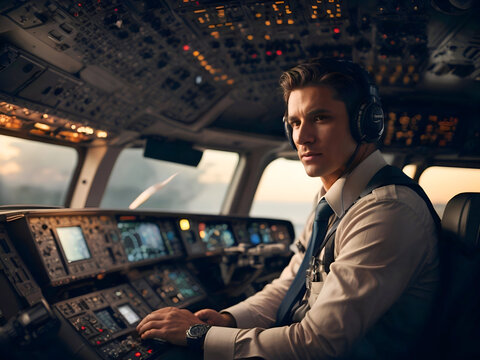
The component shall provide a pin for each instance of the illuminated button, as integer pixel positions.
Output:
(42, 126)
(138, 354)
(184, 224)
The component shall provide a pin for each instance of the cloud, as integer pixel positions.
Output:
(7, 151)
(9, 168)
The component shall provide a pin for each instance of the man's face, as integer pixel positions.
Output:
(320, 131)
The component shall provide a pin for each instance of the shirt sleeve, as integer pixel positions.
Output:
(381, 246)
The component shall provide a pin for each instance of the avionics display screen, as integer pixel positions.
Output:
(73, 243)
(216, 236)
(142, 241)
(184, 284)
(106, 318)
(259, 233)
(128, 313)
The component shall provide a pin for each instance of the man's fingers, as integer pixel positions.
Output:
(154, 333)
(204, 314)
(149, 325)
(159, 314)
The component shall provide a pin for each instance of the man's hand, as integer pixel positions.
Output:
(170, 324)
(212, 317)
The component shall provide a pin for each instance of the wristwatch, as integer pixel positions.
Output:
(196, 335)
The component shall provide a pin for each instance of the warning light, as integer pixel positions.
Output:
(336, 30)
(150, 351)
(100, 330)
(279, 52)
(269, 53)
(186, 47)
(82, 328)
(138, 354)
(184, 224)
(254, 56)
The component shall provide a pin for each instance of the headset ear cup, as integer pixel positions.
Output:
(369, 124)
(288, 134)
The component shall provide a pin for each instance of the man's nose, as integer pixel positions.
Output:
(303, 134)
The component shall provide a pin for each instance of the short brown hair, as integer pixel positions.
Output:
(346, 88)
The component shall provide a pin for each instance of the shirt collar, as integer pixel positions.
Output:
(346, 190)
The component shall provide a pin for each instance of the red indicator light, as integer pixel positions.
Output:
(127, 218)
(138, 354)
(186, 47)
(269, 53)
(79, 4)
(82, 328)
(101, 330)
(254, 56)
(384, 36)
(279, 52)
(336, 30)
(116, 10)
(98, 342)
(150, 351)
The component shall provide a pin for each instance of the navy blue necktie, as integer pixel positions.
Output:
(298, 287)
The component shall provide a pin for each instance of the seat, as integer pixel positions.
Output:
(459, 316)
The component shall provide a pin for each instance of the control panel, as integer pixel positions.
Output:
(104, 270)
(68, 246)
(72, 247)
(210, 234)
(15, 270)
(106, 320)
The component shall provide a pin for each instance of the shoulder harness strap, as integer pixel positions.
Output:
(388, 175)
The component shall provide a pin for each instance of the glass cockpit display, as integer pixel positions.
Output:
(128, 313)
(73, 243)
(142, 241)
(215, 235)
(259, 233)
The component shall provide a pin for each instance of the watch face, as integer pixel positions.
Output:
(198, 330)
(196, 335)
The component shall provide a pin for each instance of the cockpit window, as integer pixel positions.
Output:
(442, 183)
(173, 187)
(286, 192)
(32, 172)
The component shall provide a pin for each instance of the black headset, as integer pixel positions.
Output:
(367, 122)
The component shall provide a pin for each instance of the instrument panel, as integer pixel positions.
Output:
(68, 246)
(102, 271)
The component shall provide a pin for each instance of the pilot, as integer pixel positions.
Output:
(367, 294)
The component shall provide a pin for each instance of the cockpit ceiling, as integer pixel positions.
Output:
(148, 67)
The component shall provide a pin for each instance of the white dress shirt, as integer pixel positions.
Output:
(377, 296)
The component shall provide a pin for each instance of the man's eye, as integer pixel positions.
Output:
(319, 118)
(294, 124)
